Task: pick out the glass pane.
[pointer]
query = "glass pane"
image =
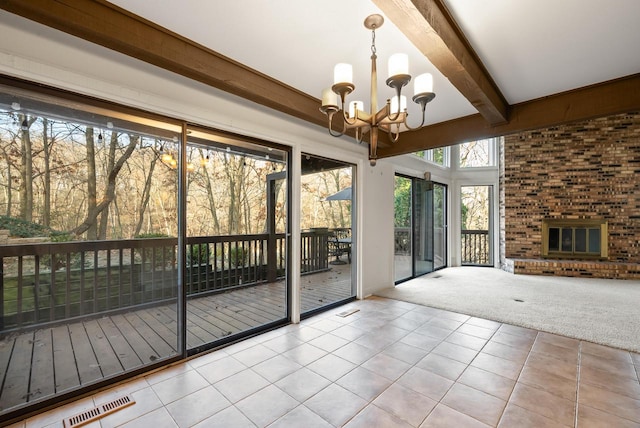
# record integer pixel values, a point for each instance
(236, 245)
(554, 239)
(99, 209)
(326, 203)
(439, 225)
(594, 241)
(476, 153)
(580, 237)
(567, 239)
(422, 227)
(475, 215)
(402, 228)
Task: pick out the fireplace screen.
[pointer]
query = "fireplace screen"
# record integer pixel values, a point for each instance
(574, 238)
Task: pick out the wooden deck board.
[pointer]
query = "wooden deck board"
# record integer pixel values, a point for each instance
(16, 384)
(161, 325)
(135, 340)
(86, 362)
(107, 358)
(242, 311)
(42, 383)
(157, 343)
(216, 325)
(64, 362)
(254, 304)
(6, 349)
(125, 352)
(234, 318)
(64, 357)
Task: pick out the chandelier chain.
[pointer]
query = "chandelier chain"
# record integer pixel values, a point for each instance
(373, 41)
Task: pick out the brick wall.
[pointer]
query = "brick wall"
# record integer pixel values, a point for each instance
(582, 170)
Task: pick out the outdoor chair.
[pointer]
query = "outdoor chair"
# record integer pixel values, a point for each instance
(339, 245)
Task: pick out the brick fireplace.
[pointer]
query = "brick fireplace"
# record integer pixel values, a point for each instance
(568, 181)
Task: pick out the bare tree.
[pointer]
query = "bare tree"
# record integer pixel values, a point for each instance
(111, 159)
(109, 194)
(26, 168)
(234, 166)
(92, 192)
(46, 148)
(146, 193)
(210, 196)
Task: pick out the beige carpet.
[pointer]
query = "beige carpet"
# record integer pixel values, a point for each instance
(603, 311)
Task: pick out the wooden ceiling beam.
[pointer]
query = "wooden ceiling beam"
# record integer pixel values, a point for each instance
(105, 24)
(430, 27)
(603, 99)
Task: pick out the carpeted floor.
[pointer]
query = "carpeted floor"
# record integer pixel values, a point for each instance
(604, 311)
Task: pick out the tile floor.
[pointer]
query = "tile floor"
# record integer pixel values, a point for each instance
(391, 364)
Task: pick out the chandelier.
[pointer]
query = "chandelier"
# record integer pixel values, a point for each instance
(390, 118)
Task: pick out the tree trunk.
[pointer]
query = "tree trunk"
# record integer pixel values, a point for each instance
(231, 169)
(146, 194)
(9, 182)
(26, 168)
(211, 200)
(110, 190)
(104, 216)
(46, 215)
(92, 193)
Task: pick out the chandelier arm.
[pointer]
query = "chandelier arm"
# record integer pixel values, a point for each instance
(394, 116)
(423, 99)
(345, 117)
(359, 135)
(411, 128)
(394, 136)
(344, 126)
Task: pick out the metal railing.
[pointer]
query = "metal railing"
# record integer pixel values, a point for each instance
(54, 282)
(475, 247)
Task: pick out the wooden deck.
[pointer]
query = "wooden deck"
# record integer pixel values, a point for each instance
(43, 362)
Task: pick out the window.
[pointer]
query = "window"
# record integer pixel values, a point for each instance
(475, 154)
(439, 156)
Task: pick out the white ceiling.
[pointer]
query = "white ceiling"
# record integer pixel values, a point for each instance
(531, 48)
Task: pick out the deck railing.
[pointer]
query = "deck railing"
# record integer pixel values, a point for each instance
(53, 282)
(475, 247)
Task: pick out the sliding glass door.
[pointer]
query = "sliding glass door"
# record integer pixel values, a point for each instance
(89, 280)
(420, 227)
(236, 245)
(439, 226)
(328, 233)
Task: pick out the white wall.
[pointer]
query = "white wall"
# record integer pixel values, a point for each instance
(40, 54)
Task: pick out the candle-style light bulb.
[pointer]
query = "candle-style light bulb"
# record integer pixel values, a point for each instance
(398, 64)
(329, 98)
(343, 73)
(423, 83)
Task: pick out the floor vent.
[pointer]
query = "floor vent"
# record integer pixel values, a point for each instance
(98, 412)
(348, 312)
